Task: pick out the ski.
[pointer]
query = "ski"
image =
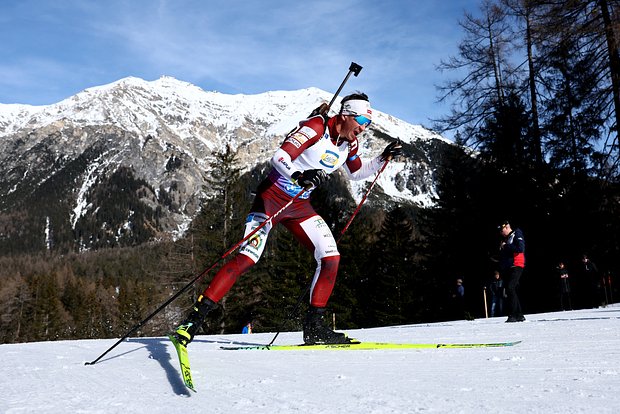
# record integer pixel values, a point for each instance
(186, 372)
(367, 346)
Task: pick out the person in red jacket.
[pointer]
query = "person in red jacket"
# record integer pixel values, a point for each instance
(318, 147)
(512, 262)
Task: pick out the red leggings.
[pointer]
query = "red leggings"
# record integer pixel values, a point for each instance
(305, 225)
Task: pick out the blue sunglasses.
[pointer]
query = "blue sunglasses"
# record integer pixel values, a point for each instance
(362, 120)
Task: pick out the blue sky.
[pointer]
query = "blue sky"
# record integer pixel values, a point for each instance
(50, 50)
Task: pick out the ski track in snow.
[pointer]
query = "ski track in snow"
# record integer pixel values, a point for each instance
(568, 362)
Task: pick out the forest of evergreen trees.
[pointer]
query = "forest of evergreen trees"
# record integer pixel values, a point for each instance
(536, 95)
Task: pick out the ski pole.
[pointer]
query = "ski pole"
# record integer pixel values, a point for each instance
(359, 206)
(486, 308)
(354, 69)
(200, 276)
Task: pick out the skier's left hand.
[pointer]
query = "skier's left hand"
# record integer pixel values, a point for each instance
(393, 149)
(310, 178)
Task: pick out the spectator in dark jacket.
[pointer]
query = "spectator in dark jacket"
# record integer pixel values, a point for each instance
(565, 303)
(512, 262)
(497, 295)
(592, 282)
(458, 299)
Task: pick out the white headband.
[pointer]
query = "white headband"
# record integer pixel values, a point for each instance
(357, 107)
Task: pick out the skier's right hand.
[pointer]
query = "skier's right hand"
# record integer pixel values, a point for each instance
(393, 150)
(310, 178)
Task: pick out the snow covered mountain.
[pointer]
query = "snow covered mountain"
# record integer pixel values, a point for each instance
(68, 164)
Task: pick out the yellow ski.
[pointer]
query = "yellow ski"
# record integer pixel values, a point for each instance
(186, 372)
(368, 346)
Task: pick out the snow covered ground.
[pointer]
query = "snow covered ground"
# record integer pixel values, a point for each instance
(568, 362)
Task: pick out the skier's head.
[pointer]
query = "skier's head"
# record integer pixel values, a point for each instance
(354, 116)
(505, 228)
(356, 104)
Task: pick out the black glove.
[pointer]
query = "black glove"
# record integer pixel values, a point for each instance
(309, 178)
(394, 149)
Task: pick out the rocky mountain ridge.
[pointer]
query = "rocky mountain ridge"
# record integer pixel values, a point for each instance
(153, 142)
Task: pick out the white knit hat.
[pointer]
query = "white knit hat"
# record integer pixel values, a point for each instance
(357, 107)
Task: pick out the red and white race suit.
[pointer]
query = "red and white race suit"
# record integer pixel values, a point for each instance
(310, 146)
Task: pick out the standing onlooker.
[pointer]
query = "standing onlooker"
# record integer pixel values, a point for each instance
(247, 329)
(592, 282)
(498, 293)
(458, 299)
(512, 262)
(564, 287)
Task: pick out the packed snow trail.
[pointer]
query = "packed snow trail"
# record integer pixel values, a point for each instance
(567, 362)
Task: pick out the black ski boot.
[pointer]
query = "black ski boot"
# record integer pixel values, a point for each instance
(317, 332)
(188, 328)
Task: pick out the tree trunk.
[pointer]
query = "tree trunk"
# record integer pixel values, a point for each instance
(537, 144)
(495, 62)
(614, 62)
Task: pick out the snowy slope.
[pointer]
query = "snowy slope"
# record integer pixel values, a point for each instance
(568, 362)
(144, 107)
